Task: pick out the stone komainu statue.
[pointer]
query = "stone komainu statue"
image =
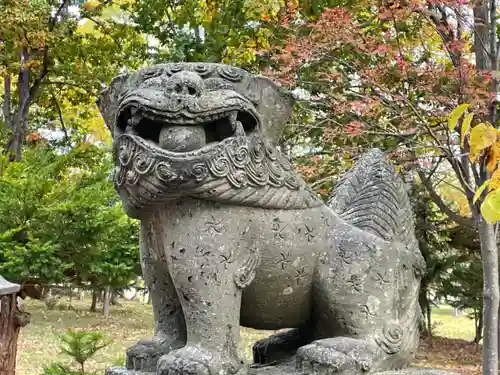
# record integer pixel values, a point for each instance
(231, 235)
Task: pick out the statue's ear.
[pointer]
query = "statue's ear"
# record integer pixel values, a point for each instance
(275, 107)
(107, 102)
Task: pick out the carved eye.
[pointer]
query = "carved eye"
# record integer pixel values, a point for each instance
(231, 74)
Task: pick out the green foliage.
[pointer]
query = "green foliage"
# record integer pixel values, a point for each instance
(80, 346)
(55, 57)
(61, 222)
(464, 283)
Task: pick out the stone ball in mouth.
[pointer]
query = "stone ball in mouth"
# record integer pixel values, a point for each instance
(185, 134)
(179, 138)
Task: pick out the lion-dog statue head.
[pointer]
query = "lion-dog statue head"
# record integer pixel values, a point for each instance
(200, 130)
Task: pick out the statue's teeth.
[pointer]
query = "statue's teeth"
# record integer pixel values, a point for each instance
(239, 131)
(237, 126)
(232, 118)
(135, 119)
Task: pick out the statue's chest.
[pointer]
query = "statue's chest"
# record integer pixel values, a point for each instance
(200, 226)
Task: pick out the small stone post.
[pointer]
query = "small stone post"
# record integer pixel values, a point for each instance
(11, 320)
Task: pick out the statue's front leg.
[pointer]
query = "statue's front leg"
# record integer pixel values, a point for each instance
(170, 329)
(209, 282)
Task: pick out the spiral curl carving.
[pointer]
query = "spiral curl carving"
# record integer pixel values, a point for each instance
(142, 164)
(258, 152)
(131, 177)
(199, 171)
(258, 174)
(276, 175)
(238, 179)
(270, 151)
(203, 70)
(119, 176)
(239, 155)
(164, 172)
(219, 166)
(124, 155)
(230, 73)
(173, 68)
(390, 338)
(292, 182)
(285, 164)
(242, 162)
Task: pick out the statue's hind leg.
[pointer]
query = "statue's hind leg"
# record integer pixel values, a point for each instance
(170, 330)
(366, 292)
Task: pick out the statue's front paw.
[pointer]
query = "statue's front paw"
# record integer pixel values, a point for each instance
(339, 355)
(195, 360)
(144, 355)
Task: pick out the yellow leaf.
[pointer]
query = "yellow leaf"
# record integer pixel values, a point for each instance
(493, 157)
(465, 127)
(482, 136)
(456, 114)
(495, 180)
(490, 209)
(478, 192)
(90, 5)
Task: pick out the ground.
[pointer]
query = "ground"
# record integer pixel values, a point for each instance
(39, 345)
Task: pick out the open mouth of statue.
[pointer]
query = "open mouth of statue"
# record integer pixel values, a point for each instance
(183, 132)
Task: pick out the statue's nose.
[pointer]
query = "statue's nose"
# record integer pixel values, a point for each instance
(184, 83)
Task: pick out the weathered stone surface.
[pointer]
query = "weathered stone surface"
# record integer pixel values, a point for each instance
(289, 369)
(231, 235)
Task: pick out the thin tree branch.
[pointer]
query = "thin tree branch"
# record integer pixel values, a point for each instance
(105, 29)
(53, 19)
(61, 119)
(321, 181)
(460, 220)
(64, 83)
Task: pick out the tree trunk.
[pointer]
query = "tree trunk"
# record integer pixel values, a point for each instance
(11, 320)
(70, 298)
(489, 256)
(19, 122)
(106, 302)
(114, 298)
(479, 326)
(425, 306)
(93, 306)
(7, 97)
(429, 318)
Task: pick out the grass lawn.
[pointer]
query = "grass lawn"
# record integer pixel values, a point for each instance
(39, 345)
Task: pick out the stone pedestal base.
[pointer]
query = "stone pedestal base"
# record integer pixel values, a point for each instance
(289, 369)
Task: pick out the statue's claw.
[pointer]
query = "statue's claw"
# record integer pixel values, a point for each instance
(194, 360)
(144, 355)
(340, 355)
